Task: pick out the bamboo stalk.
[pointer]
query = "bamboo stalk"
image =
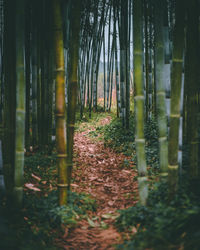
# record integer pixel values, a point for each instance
(20, 102)
(192, 85)
(176, 83)
(60, 104)
(73, 83)
(160, 89)
(139, 100)
(9, 95)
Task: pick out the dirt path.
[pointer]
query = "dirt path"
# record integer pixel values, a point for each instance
(100, 172)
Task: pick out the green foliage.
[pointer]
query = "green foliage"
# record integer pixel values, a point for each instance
(151, 135)
(90, 123)
(40, 164)
(39, 159)
(119, 138)
(122, 140)
(99, 114)
(163, 224)
(45, 209)
(41, 219)
(44, 219)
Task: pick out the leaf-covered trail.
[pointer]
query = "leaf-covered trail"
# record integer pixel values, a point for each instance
(100, 172)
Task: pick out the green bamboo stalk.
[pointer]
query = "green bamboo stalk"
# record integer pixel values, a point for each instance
(20, 102)
(108, 60)
(28, 74)
(160, 88)
(104, 72)
(139, 100)
(9, 95)
(60, 104)
(34, 61)
(176, 83)
(127, 72)
(116, 64)
(192, 85)
(146, 13)
(73, 83)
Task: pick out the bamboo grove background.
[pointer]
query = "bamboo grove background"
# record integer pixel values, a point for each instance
(51, 55)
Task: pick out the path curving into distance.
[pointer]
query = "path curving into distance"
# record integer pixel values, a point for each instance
(100, 172)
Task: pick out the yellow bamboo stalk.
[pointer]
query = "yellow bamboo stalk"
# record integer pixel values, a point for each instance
(60, 104)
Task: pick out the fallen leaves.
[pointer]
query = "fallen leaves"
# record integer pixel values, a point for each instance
(32, 187)
(36, 177)
(99, 171)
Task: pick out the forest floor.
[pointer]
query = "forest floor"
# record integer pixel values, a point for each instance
(100, 172)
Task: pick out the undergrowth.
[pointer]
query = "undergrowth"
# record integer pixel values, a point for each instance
(123, 140)
(41, 220)
(163, 224)
(44, 219)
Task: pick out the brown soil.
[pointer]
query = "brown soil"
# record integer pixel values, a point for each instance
(100, 171)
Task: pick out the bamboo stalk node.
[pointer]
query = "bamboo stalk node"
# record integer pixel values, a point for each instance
(22, 111)
(142, 179)
(177, 60)
(59, 114)
(18, 189)
(71, 125)
(175, 115)
(164, 174)
(173, 167)
(163, 138)
(60, 70)
(194, 142)
(140, 140)
(139, 97)
(139, 53)
(161, 93)
(61, 155)
(60, 185)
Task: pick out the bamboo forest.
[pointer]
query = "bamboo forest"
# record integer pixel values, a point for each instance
(100, 124)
